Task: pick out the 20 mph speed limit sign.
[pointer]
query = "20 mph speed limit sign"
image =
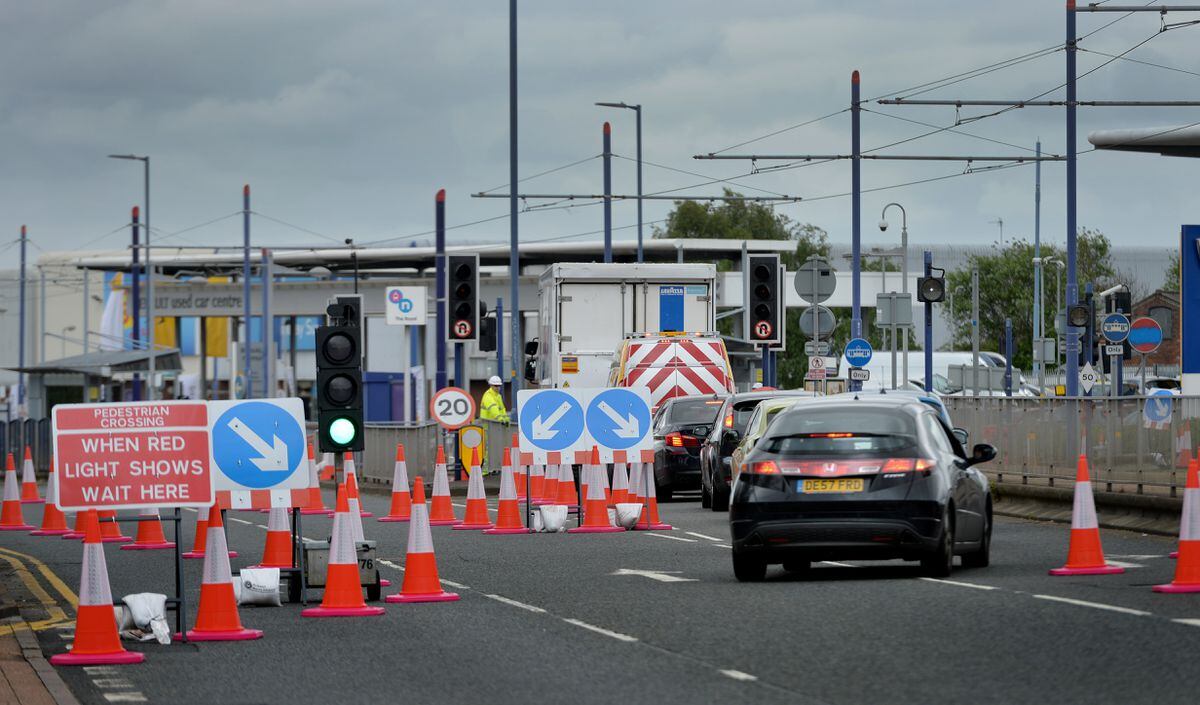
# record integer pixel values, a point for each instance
(452, 407)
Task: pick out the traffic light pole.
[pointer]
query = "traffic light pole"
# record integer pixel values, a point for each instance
(440, 282)
(928, 328)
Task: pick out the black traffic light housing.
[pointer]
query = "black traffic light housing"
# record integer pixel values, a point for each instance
(462, 298)
(339, 389)
(763, 299)
(487, 333)
(931, 290)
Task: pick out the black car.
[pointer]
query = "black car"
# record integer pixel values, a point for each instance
(724, 437)
(860, 478)
(680, 425)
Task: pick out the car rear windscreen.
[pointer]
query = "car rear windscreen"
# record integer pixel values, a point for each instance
(844, 431)
(694, 411)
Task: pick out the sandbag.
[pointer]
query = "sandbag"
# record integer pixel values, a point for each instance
(148, 612)
(554, 517)
(258, 586)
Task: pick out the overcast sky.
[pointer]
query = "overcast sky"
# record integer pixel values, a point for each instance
(346, 117)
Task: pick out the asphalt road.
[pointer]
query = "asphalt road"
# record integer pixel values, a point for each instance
(559, 618)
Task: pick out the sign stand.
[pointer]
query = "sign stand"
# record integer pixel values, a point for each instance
(179, 602)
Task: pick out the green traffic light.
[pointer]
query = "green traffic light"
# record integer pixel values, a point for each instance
(342, 431)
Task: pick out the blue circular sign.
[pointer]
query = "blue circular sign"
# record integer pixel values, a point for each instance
(551, 420)
(858, 352)
(618, 419)
(1115, 327)
(1159, 406)
(257, 444)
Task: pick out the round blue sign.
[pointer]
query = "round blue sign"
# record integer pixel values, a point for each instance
(858, 352)
(618, 419)
(1115, 327)
(257, 444)
(551, 420)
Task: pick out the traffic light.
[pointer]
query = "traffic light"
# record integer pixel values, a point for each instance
(764, 301)
(462, 297)
(1120, 302)
(931, 290)
(339, 377)
(487, 334)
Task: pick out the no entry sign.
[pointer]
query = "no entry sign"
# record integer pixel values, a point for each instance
(132, 455)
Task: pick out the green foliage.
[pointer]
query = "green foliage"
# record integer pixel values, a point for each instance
(1171, 280)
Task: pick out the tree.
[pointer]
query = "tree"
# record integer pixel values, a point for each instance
(1171, 281)
(1006, 291)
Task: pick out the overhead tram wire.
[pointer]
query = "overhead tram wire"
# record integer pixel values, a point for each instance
(548, 171)
(702, 176)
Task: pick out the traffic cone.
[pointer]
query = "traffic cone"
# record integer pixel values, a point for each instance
(201, 541)
(635, 483)
(110, 530)
(217, 618)
(316, 503)
(1183, 446)
(441, 512)
(401, 508)
(343, 586)
(326, 467)
(149, 534)
(549, 476)
(76, 525)
(96, 640)
(1187, 569)
(421, 583)
(53, 521)
(537, 483)
(650, 520)
(513, 453)
(595, 506)
(1085, 555)
(350, 489)
(508, 512)
(620, 484)
(477, 510)
(29, 490)
(566, 487)
(277, 551)
(348, 470)
(12, 516)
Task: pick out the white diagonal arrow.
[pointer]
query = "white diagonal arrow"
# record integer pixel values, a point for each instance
(626, 427)
(662, 576)
(1161, 407)
(274, 457)
(543, 427)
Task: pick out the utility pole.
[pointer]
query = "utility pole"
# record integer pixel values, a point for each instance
(514, 254)
(975, 332)
(135, 273)
(439, 228)
(607, 151)
(248, 385)
(1039, 360)
(21, 333)
(637, 109)
(928, 328)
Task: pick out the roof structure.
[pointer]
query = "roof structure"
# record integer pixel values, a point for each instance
(105, 363)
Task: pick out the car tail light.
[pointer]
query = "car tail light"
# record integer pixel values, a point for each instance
(678, 440)
(892, 465)
(729, 420)
(766, 467)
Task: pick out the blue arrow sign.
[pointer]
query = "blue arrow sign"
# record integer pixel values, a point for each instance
(552, 420)
(1115, 327)
(258, 444)
(858, 352)
(1159, 406)
(618, 418)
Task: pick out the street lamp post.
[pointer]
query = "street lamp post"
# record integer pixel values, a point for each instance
(903, 267)
(637, 109)
(145, 160)
(1059, 266)
(62, 339)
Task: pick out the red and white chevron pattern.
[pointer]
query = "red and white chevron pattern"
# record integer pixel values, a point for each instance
(675, 367)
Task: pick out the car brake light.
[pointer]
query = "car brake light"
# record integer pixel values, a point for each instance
(924, 465)
(830, 435)
(766, 467)
(676, 439)
(729, 420)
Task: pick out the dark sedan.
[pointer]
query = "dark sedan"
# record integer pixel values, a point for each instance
(716, 449)
(680, 425)
(870, 478)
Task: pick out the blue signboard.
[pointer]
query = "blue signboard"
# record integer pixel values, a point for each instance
(1189, 306)
(618, 418)
(552, 420)
(1115, 327)
(670, 307)
(1158, 407)
(259, 444)
(858, 352)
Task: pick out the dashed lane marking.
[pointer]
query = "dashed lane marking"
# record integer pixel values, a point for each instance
(1094, 605)
(600, 630)
(958, 583)
(737, 675)
(126, 697)
(702, 536)
(1123, 564)
(241, 521)
(390, 564)
(722, 545)
(673, 538)
(453, 584)
(514, 603)
(1189, 622)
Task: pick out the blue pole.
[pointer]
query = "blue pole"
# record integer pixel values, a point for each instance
(607, 193)
(266, 324)
(638, 109)
(514, 254)
(1072, 280)
(1039, 315)
(135, 273)
(21, 334)
(414, 359)
(439, 216)
(249, 387)
(928, 328)
(766, 366)
(856, 214)
(459, 367)
(1008, 355)
(500, 339)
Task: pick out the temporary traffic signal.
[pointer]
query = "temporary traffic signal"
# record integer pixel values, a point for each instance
(487, 333)
(931, 290)
(462, 297)
(763, 303)
(339, 377)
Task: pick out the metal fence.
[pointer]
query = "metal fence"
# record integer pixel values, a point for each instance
(420, 449)
(34, 433)
(1038, 440)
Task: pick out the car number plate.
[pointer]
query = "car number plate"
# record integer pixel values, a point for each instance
(833, 484)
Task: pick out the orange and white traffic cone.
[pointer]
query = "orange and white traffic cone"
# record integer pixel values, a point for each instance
(421, 583)
(348, 470)
(53, 521)
(96, 640)
(1183, 446)
(620, 484)
(441, 512)
(316, 503)
(476, 517)
(217, 618)
(401, 508)
(1085, 555)
(29, 490)
(566, 487)
(350, 489)
(326, 469)
(537, 482)
(549, 477)
(277, 551)
(508, 512)
(514, 458)
(595, 506)
(110, 530)
(1187, 569)
(635, 483)
(201, 541)
(76, 527)
(650, 519)
(343, 585)
(12, 516)
(149, 534)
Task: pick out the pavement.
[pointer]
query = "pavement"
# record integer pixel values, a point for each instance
(657, 617)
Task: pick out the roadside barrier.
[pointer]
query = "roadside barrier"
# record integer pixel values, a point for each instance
(441, 512)
(1085, 556)
(29, 488)
(277, 550)
(476, 517)
(150, 535)
(1187, 568)
(12, 515)
(217, 618)
(401, 509)
(53, 521)
(421, 583)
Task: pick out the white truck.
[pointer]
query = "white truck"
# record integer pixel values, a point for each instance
(587, 309)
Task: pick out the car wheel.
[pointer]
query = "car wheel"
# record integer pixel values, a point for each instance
(749, 569)
(705, 496)
(982, 557)
(797, 566)
(720, 500)
(940, 562)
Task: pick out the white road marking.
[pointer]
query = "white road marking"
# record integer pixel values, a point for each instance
(673, 538)
(737, 675)
(264, 527)
(701, 536)
(1095, 605)
(1137, 556)
(1123, 564)
(600, 630)
(241, 521)
(453, 584)
(112, 682)
(722, 545)
(662, 576)
(99, 670)
(839, 565)
(390, 564)
(514, 603)
(126, 697)
(961, 584)
(456, 504)
(1189, 622)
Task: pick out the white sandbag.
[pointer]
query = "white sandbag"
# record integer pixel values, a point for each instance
(123, 617)
(628, 514)
(148, 610)
(554, 517)
(538, 526)
(258, 586)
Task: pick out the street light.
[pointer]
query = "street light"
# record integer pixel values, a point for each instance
(1059, 266)
(145, 160)
(637, 109)
(62, 339)
(883, 225)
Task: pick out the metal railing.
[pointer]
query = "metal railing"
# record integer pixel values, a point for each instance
(1038, 440)
(420, 449)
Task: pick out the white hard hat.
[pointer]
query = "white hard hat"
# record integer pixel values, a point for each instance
(494, 381)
